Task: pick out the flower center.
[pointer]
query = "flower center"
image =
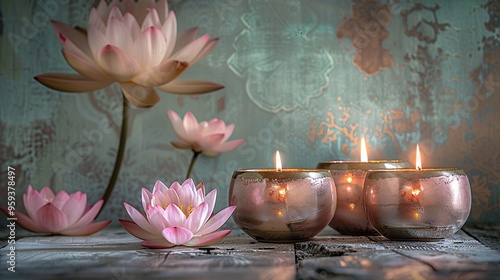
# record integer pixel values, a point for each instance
(187, 211)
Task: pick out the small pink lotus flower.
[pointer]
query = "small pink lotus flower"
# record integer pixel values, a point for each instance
(206, 137)
(58, 214)
(179, 215)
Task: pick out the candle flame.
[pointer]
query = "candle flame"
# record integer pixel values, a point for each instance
(418, 161)
(415, 192)
(278, 164)
(364, 153)
(282, 193)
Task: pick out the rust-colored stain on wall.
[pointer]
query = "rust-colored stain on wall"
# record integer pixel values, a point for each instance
(367, 29)
(424, 19)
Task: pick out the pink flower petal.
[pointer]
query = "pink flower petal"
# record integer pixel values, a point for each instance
(47, 194)
(207, 239)
(228, 146)
(33, 201)
(201, 186)
(214, 127)
(146, 196)
(216, 221)
(186, 195)
(161, 74)
(70, 82)
(210, 199)
(182, 146)
(132, 26)
(85, 67)
(169, 28)
(159, 243)
(140, 96)
(228, 131)
(51, 219)
(191, 126)
(156, 219)
(75, 207)
(152, 20)
(190, 86)
(66, 32)
(188, 183)
(138, 218)
(206, 50)
(177, 235)
(162, 8)
(137, 231)
(118, 35)
(97, 40)
(117, 63)
(88, 216)
(190, 51)
(150, 47)
(177, 124)
(198, 217)
(174, 216)
(114, 14)
(96, 20)
(85, 229)
(141, 9)
(159, 187)
(173, 197)
(23, 220)
(210, 142)
(176, 187)
(60, 199)
(104, 9)
(184, 38)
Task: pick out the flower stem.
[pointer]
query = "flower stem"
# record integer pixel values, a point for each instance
(193, 160)
(119, 155)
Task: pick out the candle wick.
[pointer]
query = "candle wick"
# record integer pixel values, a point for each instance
(419, 168)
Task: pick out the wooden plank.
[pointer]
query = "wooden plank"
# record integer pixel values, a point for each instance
(488, 235)
(116, 254)
(349, 257)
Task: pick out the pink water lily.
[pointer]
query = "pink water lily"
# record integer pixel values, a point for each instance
(177, 215)
(209, 138)
(61, 213)
(134, 43)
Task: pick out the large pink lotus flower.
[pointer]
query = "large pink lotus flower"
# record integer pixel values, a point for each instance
(206, 137)
(179, 215)
(58, 214)
(134, 43)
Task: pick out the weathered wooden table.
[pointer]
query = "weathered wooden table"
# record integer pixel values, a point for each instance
(472, 253)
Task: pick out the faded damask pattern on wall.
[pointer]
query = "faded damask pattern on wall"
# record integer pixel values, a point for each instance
(308, 78)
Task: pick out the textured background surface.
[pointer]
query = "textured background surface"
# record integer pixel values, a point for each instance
(306, 77)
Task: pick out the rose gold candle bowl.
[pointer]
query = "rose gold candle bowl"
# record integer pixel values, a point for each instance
(349, 177)
(282, 206)
(409, 204)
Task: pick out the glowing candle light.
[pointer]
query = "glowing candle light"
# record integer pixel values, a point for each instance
(364, 153)
(418, 160)
(278, 164)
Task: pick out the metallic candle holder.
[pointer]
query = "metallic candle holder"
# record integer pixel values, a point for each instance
(409, 204)
(282, 206)
(349, 177)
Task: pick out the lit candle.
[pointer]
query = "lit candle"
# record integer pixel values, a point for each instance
(282, 204)
(418, 203)
(349, 176)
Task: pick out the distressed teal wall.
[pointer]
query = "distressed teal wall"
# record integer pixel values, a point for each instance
(308, 78)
